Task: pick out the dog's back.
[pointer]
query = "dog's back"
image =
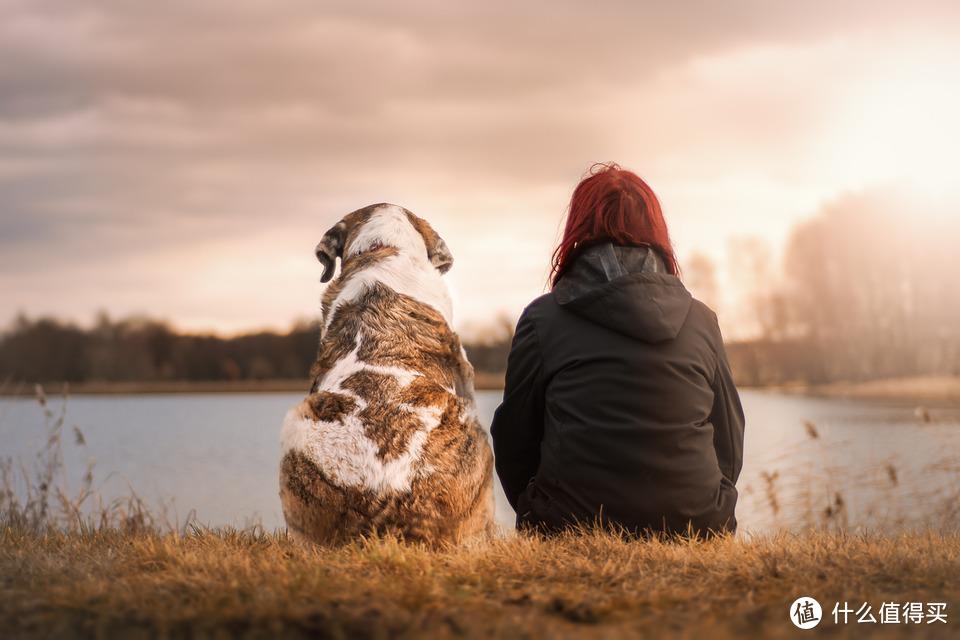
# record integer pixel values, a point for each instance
(388, 440)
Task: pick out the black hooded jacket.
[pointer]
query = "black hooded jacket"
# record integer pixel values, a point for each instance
(619, 403)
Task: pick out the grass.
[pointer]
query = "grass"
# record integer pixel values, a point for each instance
(112, 582)
(73, 566)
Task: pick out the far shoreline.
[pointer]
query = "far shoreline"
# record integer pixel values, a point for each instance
(483, 382)
(917, 390)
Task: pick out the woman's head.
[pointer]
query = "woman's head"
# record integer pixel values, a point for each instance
(612, 204)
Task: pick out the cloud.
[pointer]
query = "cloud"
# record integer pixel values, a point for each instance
(161, 143)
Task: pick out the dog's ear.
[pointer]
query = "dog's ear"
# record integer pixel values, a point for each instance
(437, 251)
(330, 248)
(440, 255)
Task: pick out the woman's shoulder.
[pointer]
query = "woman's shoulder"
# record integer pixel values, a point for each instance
(537, 314)
(540, 303)
(700, 310)
(541, 309)
(705, 318)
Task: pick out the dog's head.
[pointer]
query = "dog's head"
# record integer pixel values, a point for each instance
(381, 225)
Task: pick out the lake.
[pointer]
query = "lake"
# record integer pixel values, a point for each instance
(807, 461)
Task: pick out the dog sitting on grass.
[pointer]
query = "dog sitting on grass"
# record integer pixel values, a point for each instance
(388, 440)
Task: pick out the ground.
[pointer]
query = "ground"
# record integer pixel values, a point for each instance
(248, 584)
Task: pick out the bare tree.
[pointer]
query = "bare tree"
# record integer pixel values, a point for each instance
(700, 276)
(763, 305)
(872, 287)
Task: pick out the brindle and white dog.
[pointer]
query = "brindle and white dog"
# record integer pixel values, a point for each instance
(388, 441)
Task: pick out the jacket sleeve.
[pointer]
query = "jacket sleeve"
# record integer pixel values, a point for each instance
(728, 420)
(517, 427)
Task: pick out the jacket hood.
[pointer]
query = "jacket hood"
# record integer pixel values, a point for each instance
(626, 289)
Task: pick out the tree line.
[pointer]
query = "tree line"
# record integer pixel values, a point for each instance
(149, 350)
(865, 289)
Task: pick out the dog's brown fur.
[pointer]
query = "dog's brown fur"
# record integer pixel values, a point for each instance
(450, 494)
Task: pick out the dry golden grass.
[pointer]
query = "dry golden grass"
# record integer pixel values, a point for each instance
(109, 583)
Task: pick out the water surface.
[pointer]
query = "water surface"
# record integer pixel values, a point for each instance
(217, 454)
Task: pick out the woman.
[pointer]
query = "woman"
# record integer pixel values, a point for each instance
(619, 403)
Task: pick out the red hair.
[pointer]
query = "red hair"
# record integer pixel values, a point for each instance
(616, 205)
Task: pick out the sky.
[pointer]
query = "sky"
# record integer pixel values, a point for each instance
(182, 159)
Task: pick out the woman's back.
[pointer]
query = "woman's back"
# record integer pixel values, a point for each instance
(631, 388)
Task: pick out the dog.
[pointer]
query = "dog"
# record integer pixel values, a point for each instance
(388, 440)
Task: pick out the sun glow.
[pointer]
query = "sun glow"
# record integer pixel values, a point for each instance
(902, 130)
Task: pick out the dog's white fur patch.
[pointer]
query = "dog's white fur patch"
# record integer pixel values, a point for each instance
(409, 272)
(342, 449)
